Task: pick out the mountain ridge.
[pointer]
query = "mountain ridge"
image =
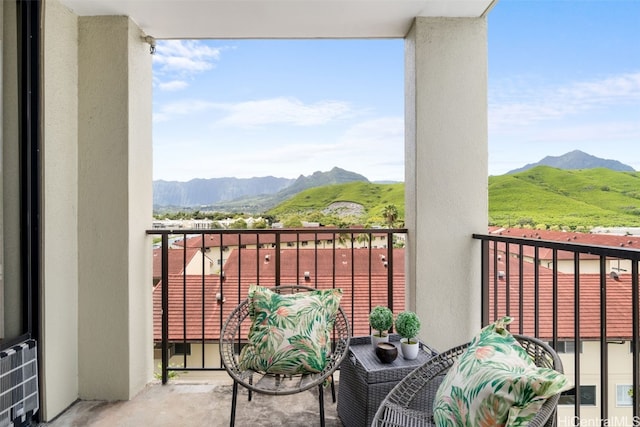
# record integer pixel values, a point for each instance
(260, 194)
(243, 194)
(576, 159)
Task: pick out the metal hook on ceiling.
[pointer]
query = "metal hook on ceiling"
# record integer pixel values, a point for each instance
(152, 44)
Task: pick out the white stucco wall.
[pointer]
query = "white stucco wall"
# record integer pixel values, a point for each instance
(59, 338)
(97, 200)
(446, 173)
(140, 210)
(114, 176)
(620, 373)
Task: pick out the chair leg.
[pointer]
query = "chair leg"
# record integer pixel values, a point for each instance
(333, 389)
(234, 399)
(321, 399)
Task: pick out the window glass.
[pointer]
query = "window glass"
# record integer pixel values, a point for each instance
(624, 395)
(182, 348)
(566, 346)
(587, 396)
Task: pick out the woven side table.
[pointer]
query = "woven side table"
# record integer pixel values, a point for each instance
(365, 381)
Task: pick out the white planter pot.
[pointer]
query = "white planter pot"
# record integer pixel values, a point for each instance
(409, 351)
(376, 339)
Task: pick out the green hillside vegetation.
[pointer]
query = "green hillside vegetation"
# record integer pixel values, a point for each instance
(556, 198)
(311, 204)
(541, 197)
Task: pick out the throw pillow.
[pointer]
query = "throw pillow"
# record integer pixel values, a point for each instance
(289, 333)
(495, 382)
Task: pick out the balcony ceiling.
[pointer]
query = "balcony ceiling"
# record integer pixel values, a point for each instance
(235, 19)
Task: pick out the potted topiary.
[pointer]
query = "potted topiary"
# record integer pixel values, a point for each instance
(408, 326)
(380, 320)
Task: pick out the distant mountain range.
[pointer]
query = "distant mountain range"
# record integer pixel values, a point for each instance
(576, 160)
(260, 194)
(242, 194)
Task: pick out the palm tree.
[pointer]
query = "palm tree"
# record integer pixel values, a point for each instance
(364, 238)
(390, 213)
(343, 238)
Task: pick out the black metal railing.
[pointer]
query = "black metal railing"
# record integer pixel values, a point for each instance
(569, 293)
(200, 276)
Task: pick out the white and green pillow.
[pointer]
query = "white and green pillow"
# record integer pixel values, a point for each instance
(495, 382)
(290, 333)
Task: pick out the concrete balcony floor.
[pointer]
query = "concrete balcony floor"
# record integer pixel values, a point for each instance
(201, 403)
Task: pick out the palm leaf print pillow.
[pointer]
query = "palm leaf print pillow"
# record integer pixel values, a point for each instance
(495, 383)
(289, 334)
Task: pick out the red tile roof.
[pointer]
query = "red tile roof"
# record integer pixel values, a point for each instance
(263, 261)
(176, 260)
(593, 239)
(369, 289)
(304, 235)
(618, 302)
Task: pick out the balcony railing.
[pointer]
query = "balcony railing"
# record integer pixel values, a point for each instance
(582, 299)
(201, 275)
(579, 297)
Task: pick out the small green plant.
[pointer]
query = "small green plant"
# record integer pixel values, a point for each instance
(172, 375)
(381, 320)
(408, 325)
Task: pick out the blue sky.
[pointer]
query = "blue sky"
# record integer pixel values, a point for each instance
(563, 75)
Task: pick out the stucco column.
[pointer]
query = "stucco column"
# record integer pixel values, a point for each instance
(114, 208)
(445, 174)
(59, 337)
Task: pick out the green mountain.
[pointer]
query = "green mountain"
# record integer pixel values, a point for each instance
(318, 179)
(574, 198)
(577, 159)
(541, 195)
(316, 203)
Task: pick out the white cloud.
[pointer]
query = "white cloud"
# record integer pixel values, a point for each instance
(185, 56)
(614, 90)
(538, 104)
(180, 108)
(176, 60)
(604, 131)
(172, 85)
(373, 148)
(382, 131)
(276, 111)
(282, 110)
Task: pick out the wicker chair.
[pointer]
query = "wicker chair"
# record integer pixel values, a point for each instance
(410, 402)
(234, 333)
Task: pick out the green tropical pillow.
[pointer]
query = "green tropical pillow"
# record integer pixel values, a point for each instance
(290, 333)
(495, 382)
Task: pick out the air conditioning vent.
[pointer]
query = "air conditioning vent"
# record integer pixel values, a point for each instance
(18, 384)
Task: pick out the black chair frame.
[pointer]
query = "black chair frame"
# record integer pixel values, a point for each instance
(410, 402)
(233, 336)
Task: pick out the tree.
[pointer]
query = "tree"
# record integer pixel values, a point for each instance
(293, 221)
(343, 238)
(390, 214)
(364, 238)
(238, 224)
(260, 224)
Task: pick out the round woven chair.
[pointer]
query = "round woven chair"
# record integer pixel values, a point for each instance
(410, 402)
(234, 335)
